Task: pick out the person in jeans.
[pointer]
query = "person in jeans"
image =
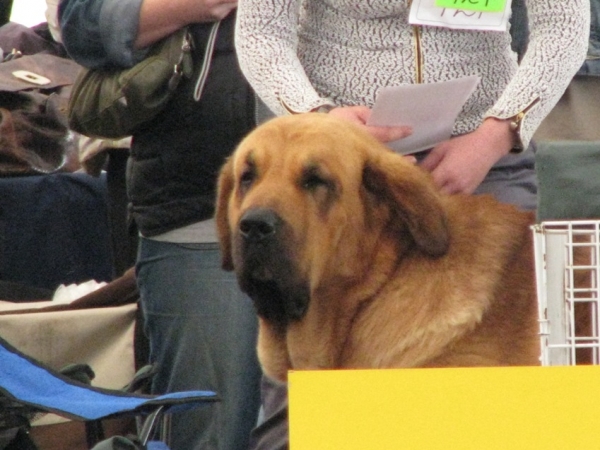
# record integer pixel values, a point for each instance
(201, 328)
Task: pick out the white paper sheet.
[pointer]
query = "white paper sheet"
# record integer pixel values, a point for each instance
(430, 109)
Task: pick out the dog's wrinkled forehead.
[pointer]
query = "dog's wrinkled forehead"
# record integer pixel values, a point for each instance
(311, 144)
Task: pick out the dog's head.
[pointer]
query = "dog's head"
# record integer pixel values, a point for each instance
(306, 203)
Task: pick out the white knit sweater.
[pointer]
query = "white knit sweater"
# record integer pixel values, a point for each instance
(310, 52)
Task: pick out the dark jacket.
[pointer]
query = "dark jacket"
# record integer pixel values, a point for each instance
(175, 158)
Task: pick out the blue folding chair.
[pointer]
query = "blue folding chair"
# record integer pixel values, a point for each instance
(29, 387)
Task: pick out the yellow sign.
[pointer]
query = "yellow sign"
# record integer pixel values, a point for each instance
(509, 408)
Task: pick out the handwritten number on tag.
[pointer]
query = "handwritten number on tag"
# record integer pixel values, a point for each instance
(473, 5)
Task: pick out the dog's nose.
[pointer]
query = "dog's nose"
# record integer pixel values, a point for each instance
(259, 224)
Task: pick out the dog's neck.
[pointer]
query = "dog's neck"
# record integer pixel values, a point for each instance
(303, 345)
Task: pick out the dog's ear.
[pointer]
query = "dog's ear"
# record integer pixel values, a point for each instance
(224, 189)
(412, 197)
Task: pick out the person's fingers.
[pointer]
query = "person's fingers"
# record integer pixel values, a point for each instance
(389, 134)
(446, 189)
(432, 160)
(360, 114)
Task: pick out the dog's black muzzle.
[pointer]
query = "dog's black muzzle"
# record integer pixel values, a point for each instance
(265, 266)
(259, 226)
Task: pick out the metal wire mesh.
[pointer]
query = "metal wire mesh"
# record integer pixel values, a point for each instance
(567, 260)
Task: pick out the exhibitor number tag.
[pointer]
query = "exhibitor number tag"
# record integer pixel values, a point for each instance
(488, 15)
(473, 5)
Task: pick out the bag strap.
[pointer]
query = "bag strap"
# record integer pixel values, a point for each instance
(179, 69)
(206, 61)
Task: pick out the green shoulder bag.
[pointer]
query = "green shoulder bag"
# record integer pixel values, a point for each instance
(112, 102)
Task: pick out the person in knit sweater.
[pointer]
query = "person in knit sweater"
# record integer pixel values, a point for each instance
(334, 56)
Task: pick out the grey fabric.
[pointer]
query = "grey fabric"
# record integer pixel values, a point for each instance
(575, 116)
(271, 433)
(568, 180)
(262, 111)
(513, 180)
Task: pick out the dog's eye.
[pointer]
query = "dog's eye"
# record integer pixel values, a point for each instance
(247, 177)
(312, 180)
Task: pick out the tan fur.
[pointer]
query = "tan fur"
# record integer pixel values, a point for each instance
(398, 274)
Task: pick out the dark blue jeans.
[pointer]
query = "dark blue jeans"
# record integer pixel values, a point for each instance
(202, 331)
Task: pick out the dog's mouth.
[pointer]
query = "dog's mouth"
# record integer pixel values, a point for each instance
(279, 297)
(261, 274)
(277, 305)
(271, 282)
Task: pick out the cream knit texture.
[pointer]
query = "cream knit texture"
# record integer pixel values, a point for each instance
(306, 53)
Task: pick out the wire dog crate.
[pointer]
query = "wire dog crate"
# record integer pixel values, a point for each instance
(567, 266)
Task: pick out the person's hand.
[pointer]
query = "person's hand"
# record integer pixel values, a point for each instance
(212, 10)
(159, 18)
(460, 164)
(360, 115)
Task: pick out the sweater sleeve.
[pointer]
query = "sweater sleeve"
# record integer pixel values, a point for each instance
(558, 41)
(268, 58)
(99, 33)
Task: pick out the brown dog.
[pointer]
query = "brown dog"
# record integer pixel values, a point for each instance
(355, 260)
